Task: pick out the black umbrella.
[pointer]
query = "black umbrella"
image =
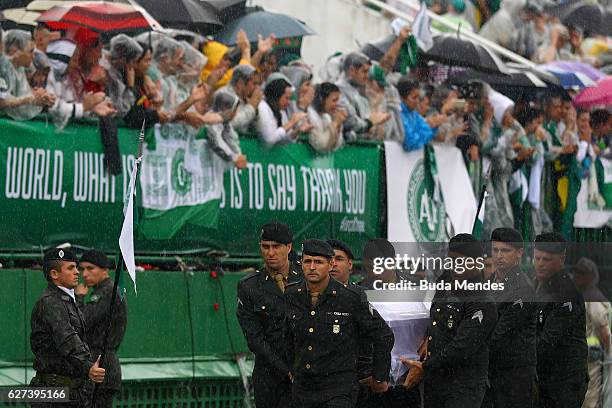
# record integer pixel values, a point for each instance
(228, 10)
(264, 23)
(9, 4)
(591, 17)
(186, 14)
(451, 50)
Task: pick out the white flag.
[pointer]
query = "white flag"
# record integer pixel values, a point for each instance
(420, 29)
(126, 239)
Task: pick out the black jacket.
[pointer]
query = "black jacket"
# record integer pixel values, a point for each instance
(58, 336)
(95, 312)
(324, 340)
(513, 342)
(261, 314)
(461, 323)
(561, 330)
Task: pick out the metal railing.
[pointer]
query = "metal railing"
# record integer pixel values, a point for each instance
(501, 51)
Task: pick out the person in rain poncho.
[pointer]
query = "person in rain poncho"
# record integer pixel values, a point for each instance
(501, 28)
(244, 85)
(455, 15)
(531, 118)
(356, 67)
(169, 57)
(586, 278)
(17, 99)
(301, 80)
(119, 64)
(326, 117)
(67, 106)
(498, 147)
(383, 97)
(222, 138)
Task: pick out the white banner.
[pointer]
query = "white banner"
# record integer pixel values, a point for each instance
(412, 214)
(586, 217)
(181, 171)
(456, 188)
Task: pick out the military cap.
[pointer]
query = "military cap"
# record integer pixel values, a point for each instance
(509, 236)
(337, 244)
(467, 245)
(276, 231)
(60, 254)
(97, 258)
(317, 247)
(551, 242)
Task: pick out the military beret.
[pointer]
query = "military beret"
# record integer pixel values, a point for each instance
(467, 245)
(97, 258)
(317, 247)
(509, 236)
(551, 242)
(276, 231)
(337, 244)
(60, 254)
(378, 248)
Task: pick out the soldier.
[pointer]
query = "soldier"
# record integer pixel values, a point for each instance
(561, 328)
(326, 322)
(512, 348)
(343, 261)
(61, 357)
(457, 350)
(261, 314)
(94, 266)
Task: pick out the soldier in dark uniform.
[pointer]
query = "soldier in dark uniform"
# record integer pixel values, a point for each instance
(327, 321)
(512, 348)
(457, 358)
(342, 267)
(261, 314)
(94, 266)
(561, 328)
(61, 357)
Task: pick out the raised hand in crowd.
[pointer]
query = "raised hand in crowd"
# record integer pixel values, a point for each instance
(199, 93)
(295, 119)
(97, 74)
(264, 45)
(339, 116)
(243, 44)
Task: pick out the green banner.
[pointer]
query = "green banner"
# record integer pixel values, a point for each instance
(55, 190)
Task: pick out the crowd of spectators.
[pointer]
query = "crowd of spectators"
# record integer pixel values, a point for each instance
(201, 85)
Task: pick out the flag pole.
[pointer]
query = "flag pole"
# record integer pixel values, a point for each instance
(483, 194)
(119, 268)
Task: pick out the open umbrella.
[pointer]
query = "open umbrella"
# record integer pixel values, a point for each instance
(576, 66)
(228, 10)
(600, 95)
(27, 16)
(264, 23)
(587, 15)
(568, 79)
(451, 50)
(100, 17)
(192, 15)
(9, 4)
(517, 85)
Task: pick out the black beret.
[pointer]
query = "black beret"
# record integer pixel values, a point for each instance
(467, 245)
(551, 242)
(60, 254)
(317, 247)
(97, 258)
(378, 248)
(277, 232)
(337, 244)
(509, 236)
